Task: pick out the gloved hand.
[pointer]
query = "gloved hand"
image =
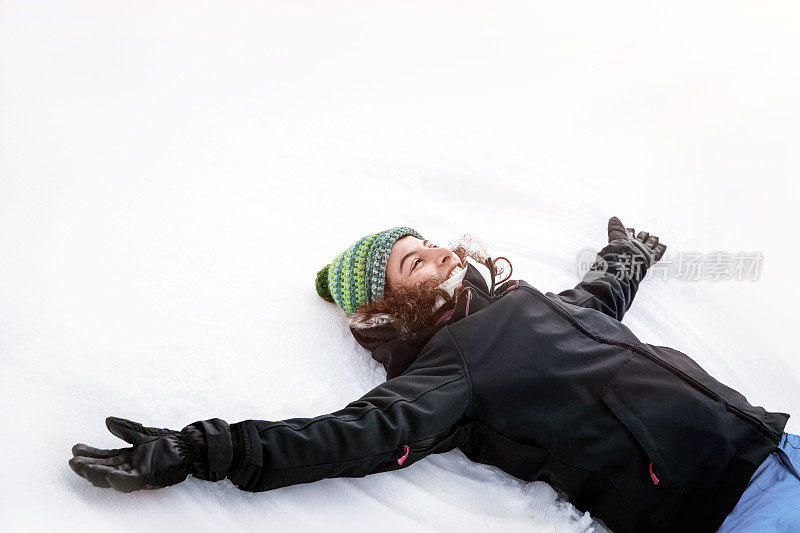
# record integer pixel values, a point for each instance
(158, 458)
(647, 243)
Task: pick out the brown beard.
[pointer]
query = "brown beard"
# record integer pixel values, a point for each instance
(410, 309)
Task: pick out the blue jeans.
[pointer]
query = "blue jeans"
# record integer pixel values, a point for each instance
(771, 501)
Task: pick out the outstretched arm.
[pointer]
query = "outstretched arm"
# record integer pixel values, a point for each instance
(612, 281)
(392, 426)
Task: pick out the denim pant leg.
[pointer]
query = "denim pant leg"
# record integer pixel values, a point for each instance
(771, 501)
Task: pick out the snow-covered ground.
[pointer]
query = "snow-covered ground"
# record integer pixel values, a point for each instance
(173, 174)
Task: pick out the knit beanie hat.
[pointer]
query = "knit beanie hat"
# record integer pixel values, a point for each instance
(358, 274)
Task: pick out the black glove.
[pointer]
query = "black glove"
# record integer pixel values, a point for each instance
(158, 458)
(647, 243)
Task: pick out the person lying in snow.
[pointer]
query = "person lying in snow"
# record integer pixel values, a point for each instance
(544, 386)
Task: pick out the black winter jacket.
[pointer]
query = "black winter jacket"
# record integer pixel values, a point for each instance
(549, 387)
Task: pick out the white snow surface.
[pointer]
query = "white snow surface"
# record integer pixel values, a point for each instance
(173, 175)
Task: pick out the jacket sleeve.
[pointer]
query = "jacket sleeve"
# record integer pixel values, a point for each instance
(613, 279)
(390, 427)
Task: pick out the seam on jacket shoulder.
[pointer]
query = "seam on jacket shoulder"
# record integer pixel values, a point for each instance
(466, 368)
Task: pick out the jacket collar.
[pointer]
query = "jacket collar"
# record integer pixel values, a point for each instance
(396, 354)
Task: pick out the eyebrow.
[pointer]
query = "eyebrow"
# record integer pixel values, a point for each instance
(425, 242)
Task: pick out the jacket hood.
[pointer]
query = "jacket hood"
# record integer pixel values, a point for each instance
(397, 353)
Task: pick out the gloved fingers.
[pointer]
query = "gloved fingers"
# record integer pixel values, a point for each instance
(648, 244)
(616, 230)
(126, 481)
(108, 476)
(95, 476)
(128, 429)
(76, 465)
(158, 432)
(90, 451)
(133, 432)
(78, 462)
(660, 249)
(646, 252)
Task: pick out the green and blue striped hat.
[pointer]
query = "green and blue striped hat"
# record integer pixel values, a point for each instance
(358, 274)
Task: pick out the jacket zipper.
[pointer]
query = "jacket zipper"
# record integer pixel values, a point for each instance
(764, 429)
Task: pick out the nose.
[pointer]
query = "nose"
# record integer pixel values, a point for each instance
(443, 257)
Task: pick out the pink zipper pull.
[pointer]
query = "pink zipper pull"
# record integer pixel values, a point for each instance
(652, 475)
(512, 287)
(400, 461)
(445, 316)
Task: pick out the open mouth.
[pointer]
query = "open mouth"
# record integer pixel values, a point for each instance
(452, 271)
